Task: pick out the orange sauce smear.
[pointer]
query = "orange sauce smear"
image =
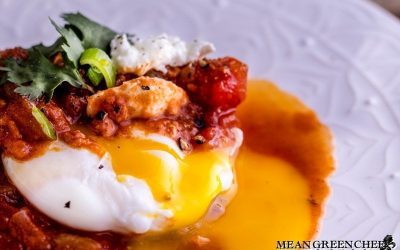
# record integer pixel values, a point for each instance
(281, 173)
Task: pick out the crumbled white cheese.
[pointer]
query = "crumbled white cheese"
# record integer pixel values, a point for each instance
(135, 55)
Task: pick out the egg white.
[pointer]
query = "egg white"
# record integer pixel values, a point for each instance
(97, 200)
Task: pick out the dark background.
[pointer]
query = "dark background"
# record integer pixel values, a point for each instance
(391, 5)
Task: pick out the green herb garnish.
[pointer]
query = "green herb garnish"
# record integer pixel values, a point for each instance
(90, 33)
(44, 123)
(100, 62)
(72, 47)
(38, 76)
(94, 76)
(93, 34)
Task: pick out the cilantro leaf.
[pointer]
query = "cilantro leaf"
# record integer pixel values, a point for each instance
(37, 76)
(51, 50)
(73, 47)
(3, 74)
(93, 34)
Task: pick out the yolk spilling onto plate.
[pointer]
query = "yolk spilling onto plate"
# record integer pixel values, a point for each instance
(271, 204)
(186, 186)
(281, 174)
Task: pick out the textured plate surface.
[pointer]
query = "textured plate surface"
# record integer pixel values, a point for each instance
(342, 58)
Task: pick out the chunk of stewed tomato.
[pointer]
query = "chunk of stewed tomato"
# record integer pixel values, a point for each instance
(217, 84)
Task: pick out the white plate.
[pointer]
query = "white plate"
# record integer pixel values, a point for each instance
(342, 58)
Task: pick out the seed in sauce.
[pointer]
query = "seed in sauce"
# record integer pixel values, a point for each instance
(199, 139)
(101, 115)
(184, 145)
(203, 63)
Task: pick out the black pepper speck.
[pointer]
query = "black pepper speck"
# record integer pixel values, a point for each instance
(144, 87)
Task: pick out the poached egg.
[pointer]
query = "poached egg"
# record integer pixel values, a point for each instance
(141, 184)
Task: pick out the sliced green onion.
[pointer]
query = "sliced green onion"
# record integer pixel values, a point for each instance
(101, 62)
(94, 75)
(4, 69)
(46, 125)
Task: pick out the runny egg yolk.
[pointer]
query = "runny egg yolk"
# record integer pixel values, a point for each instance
(281, 174)
(186, 185)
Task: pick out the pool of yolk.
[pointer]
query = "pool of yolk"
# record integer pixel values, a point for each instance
(281, 171)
